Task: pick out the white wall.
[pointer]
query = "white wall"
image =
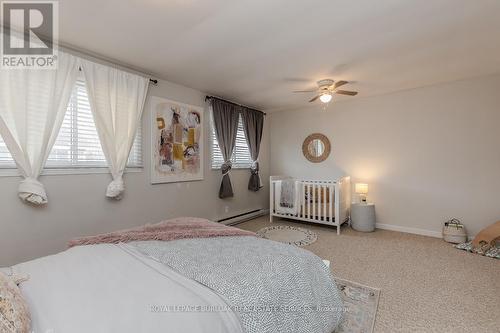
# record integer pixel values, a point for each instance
(428, 154)
(77, 204)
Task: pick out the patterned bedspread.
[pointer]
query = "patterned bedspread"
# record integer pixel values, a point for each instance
(273, 287)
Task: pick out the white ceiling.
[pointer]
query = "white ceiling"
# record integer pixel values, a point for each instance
(256, 52)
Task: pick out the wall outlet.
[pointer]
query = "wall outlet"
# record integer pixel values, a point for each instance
(226, 209)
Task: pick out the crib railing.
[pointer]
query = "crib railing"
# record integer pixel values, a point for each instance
(320, 201)
(316, 200)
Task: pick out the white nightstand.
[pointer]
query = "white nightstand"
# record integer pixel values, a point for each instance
(363, 217)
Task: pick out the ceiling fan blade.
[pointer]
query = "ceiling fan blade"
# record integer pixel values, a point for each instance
(314, 98)
(305, 91)
(339, 83)
(345, 92)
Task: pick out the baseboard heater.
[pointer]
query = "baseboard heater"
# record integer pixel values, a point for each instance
(232, 220)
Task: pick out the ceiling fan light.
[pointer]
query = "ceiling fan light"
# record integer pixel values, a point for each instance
(325, 98)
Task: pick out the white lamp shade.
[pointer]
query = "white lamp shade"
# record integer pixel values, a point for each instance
(325, 98)
(361, 188)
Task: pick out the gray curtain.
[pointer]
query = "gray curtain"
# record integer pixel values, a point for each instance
(253, 124)
(226, 117)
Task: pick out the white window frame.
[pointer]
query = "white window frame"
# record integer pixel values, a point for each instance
(241, 166)
(12, 171)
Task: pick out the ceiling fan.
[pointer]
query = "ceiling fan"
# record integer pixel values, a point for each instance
(326, 89)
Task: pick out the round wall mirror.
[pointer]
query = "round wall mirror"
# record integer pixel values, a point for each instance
(316, 148)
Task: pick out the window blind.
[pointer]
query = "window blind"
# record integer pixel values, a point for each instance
(241, 154)
(5, 157)
(77, 144)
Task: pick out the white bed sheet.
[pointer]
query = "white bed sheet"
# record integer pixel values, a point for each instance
(112, 288)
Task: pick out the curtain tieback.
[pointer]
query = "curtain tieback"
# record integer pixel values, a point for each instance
(31, 190)
(116, 188)
(226, 167)
(254, 168)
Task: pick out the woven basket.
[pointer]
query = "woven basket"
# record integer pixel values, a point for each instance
(454, 234)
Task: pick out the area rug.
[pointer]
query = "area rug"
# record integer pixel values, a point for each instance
(493, 252)
(289, 235)
(361, 303)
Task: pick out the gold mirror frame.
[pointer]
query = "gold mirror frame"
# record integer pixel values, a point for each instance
(308, 155)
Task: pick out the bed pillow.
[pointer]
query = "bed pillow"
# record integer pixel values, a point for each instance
(14, 312)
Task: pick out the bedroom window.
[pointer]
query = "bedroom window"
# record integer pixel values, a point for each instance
(241, 155)
(77, 144)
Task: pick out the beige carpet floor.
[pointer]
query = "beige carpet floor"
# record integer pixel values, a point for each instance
(426, 285)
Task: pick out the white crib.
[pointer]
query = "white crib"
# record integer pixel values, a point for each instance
(319, 201)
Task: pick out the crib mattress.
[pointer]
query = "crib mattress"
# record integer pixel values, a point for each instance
(316, 208)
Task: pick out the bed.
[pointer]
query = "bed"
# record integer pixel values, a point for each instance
(198, 283)
(319, 201)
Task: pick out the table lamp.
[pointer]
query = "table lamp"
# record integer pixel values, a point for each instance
(362, 190)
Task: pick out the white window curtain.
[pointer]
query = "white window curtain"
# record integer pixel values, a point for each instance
(32, 107)
(117, 101)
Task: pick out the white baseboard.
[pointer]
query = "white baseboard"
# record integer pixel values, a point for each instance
(409, 230)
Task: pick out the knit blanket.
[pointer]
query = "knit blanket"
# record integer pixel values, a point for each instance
(287, 195)
(272, 287)
(177, 228)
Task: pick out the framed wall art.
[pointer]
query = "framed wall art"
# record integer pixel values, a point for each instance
(176, 141)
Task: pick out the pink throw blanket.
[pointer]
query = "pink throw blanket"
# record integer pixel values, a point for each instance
(178, 228)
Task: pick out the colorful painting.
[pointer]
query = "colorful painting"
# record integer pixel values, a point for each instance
(177, 141)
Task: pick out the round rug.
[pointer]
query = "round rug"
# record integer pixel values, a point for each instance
(289, 235)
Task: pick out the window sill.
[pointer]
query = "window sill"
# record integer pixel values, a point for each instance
(12, 172)
(233, 168)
